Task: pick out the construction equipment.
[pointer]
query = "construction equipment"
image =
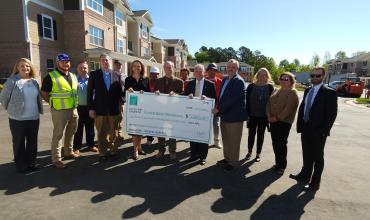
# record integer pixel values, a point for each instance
(352, 87)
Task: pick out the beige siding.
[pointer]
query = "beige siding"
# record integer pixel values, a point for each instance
(106, 27)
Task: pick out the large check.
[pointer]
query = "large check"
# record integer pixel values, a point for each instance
(175, 117)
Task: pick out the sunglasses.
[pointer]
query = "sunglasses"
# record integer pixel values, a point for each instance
(316, 75)
(284, 79)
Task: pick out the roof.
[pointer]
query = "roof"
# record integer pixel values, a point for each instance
(240, 64)
(140, 13)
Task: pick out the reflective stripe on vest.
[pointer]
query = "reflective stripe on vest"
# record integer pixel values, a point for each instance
(63, 96)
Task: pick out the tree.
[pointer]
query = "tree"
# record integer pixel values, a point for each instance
(283, 63)
(202, 57)
(230, 53)
(340, 55)
(315, 61)
(296, 62)
(326, 57)
(304, 68)
(189, 57)
(203, 48)
(245, 55)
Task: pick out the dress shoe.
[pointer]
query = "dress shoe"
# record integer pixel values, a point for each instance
(279, 171)
(222, 162)
(34, 168)
(159, 154)
(77, 152)
(141, 152)
(71, 156)
(311, 187)
(229, 167)
(248, 156)
(93, 149)
(258, 158)
(59, 164)
(299, 177)
(202, 162)
(192, 159)
(135, 157)
(149, 143)
(103, 159)
(114, 156)
(172, 156)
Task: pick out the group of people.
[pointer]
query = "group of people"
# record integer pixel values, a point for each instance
(80, 101)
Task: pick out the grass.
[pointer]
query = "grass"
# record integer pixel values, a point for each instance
(363, 101)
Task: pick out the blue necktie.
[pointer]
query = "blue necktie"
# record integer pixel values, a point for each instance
(308, 105)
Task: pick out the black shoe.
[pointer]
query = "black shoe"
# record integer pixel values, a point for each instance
(103, 159)
(221, 162)
(279, 171)
(258, 158)
(229, 167)
(202, 162)
(34, 168)
(135, 157)
(299, 178)
(192, 159)
(142, 152)
(248, 157)
(311, 187)
(114, 156)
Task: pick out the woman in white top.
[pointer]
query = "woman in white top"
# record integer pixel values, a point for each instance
(21, 98)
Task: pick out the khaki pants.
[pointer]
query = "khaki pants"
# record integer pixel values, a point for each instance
(231, 136)
(64, 121)
(106, 126)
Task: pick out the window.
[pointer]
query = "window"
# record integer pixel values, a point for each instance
(144, 31)
(47, 27)
(95, 5)
(344, 66)
(119, 17)
(364, 63)
(50, 65)
(145, 51)
(171, 51)
(243, 69)
(121, 45)
(222, 68)
(96, 36)
(94, 65)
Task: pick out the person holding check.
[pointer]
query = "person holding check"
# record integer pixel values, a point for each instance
(199, 87)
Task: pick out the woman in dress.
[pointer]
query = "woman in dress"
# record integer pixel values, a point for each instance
(137, 82)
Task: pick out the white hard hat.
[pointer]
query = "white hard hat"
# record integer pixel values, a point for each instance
(154, 69)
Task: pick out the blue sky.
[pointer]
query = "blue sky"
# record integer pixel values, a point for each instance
(278, 28)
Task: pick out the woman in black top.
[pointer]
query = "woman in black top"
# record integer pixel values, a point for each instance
(137, 82)
(257, 95)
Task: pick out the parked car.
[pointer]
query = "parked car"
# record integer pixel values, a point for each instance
(334, 84)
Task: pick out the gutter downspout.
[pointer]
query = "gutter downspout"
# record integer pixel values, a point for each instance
(26, 28)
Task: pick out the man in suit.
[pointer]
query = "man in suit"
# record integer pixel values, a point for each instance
(231, 109)
(316, 116)
(199, 87)
(104, 95)
(169, 84)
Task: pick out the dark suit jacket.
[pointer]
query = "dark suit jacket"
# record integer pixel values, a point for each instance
(208, 88)
(101, 100)
(176, 86)
(322, 113)
(231, 105)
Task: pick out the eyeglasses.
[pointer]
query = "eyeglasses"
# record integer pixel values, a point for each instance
(316, 75)
(284, 79)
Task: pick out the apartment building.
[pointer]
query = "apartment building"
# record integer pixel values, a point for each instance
(244, 68)
(84, 29)
(359, 64)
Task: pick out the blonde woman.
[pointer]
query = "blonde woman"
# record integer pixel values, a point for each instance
(280, 110)
(22, 100)
(257, 95)
(137, 82)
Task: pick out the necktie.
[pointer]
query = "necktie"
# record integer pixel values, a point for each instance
(197, 89)
(308, 105)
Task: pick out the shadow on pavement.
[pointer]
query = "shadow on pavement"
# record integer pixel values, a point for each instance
(288, 205)
(162, 183)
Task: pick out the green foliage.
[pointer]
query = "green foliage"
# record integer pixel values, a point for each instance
(363, 101)
(190, 57)
(340, 55)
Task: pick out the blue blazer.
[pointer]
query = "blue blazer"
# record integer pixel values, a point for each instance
(232, 106)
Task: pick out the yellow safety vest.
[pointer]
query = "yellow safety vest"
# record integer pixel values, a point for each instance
(62, 96)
